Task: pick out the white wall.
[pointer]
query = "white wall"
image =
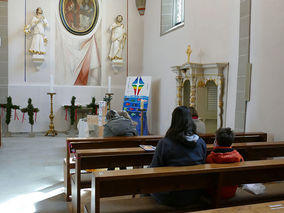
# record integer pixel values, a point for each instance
(265, 109)
(213, 27)
(38, 82)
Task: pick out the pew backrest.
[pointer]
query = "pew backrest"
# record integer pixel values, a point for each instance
(136, 156)
(239, 137)
(119, 142)
(73, 144)
(149, 180)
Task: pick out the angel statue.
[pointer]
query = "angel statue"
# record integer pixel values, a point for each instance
(39, 39)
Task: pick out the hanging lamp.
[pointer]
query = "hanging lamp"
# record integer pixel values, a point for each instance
(140, 4)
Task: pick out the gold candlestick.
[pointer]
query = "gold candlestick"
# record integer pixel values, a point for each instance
(51, 130)
(107, 99)
(141, 120)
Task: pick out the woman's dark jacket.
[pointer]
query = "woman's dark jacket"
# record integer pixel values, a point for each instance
(191, 151)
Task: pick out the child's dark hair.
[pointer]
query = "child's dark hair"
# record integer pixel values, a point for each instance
(225, 136)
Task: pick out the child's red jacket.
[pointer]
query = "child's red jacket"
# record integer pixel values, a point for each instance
(225, 155)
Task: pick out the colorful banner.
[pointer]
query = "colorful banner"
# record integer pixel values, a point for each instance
(137, 89)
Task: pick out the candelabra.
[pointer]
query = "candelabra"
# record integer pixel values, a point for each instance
(108, 98)
(51, 130)
(141, 120)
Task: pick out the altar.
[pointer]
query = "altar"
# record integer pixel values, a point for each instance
(80, 112)
(204, 87)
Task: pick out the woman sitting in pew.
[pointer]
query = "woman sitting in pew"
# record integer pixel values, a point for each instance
(180, 147)
(118, 125)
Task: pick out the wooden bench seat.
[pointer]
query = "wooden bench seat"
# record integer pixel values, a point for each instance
(267, 207)
(137, 181)
(104, 158)
(250, 151)
(136, 156)
(240, 137)
(73, 144)
(0, 131)
(137, 205)
(119, 142)
(274, 191)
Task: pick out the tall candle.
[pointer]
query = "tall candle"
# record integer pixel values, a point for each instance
(51, 83)
(142, 104)
(109, 85)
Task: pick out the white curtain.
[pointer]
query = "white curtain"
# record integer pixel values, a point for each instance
(70, 53)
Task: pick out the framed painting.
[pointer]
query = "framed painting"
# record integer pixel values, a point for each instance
(79, 17)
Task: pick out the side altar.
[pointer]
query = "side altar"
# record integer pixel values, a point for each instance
(194, 82)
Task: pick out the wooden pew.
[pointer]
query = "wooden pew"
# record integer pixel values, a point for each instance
(73, 144)
(119, 142)
(267, 207)
(136, 156)
(149, 180)
(105, 158)
(260, 150)
(0, 131)
(239, 137)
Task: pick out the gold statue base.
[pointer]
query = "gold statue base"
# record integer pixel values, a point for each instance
(52, 132)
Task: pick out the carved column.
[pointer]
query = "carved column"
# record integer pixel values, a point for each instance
(179, 81)
(193, 91)
(220, 110)
(220, 80)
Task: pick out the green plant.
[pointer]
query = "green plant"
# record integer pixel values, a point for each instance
(72, 108)
(9, 106)
(30, 110)
(93, 105)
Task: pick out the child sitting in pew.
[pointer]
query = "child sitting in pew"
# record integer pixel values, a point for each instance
(224, 153)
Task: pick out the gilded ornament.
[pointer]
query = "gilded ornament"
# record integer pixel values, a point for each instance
(192, 99)
(201, 84)
(188, 52)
